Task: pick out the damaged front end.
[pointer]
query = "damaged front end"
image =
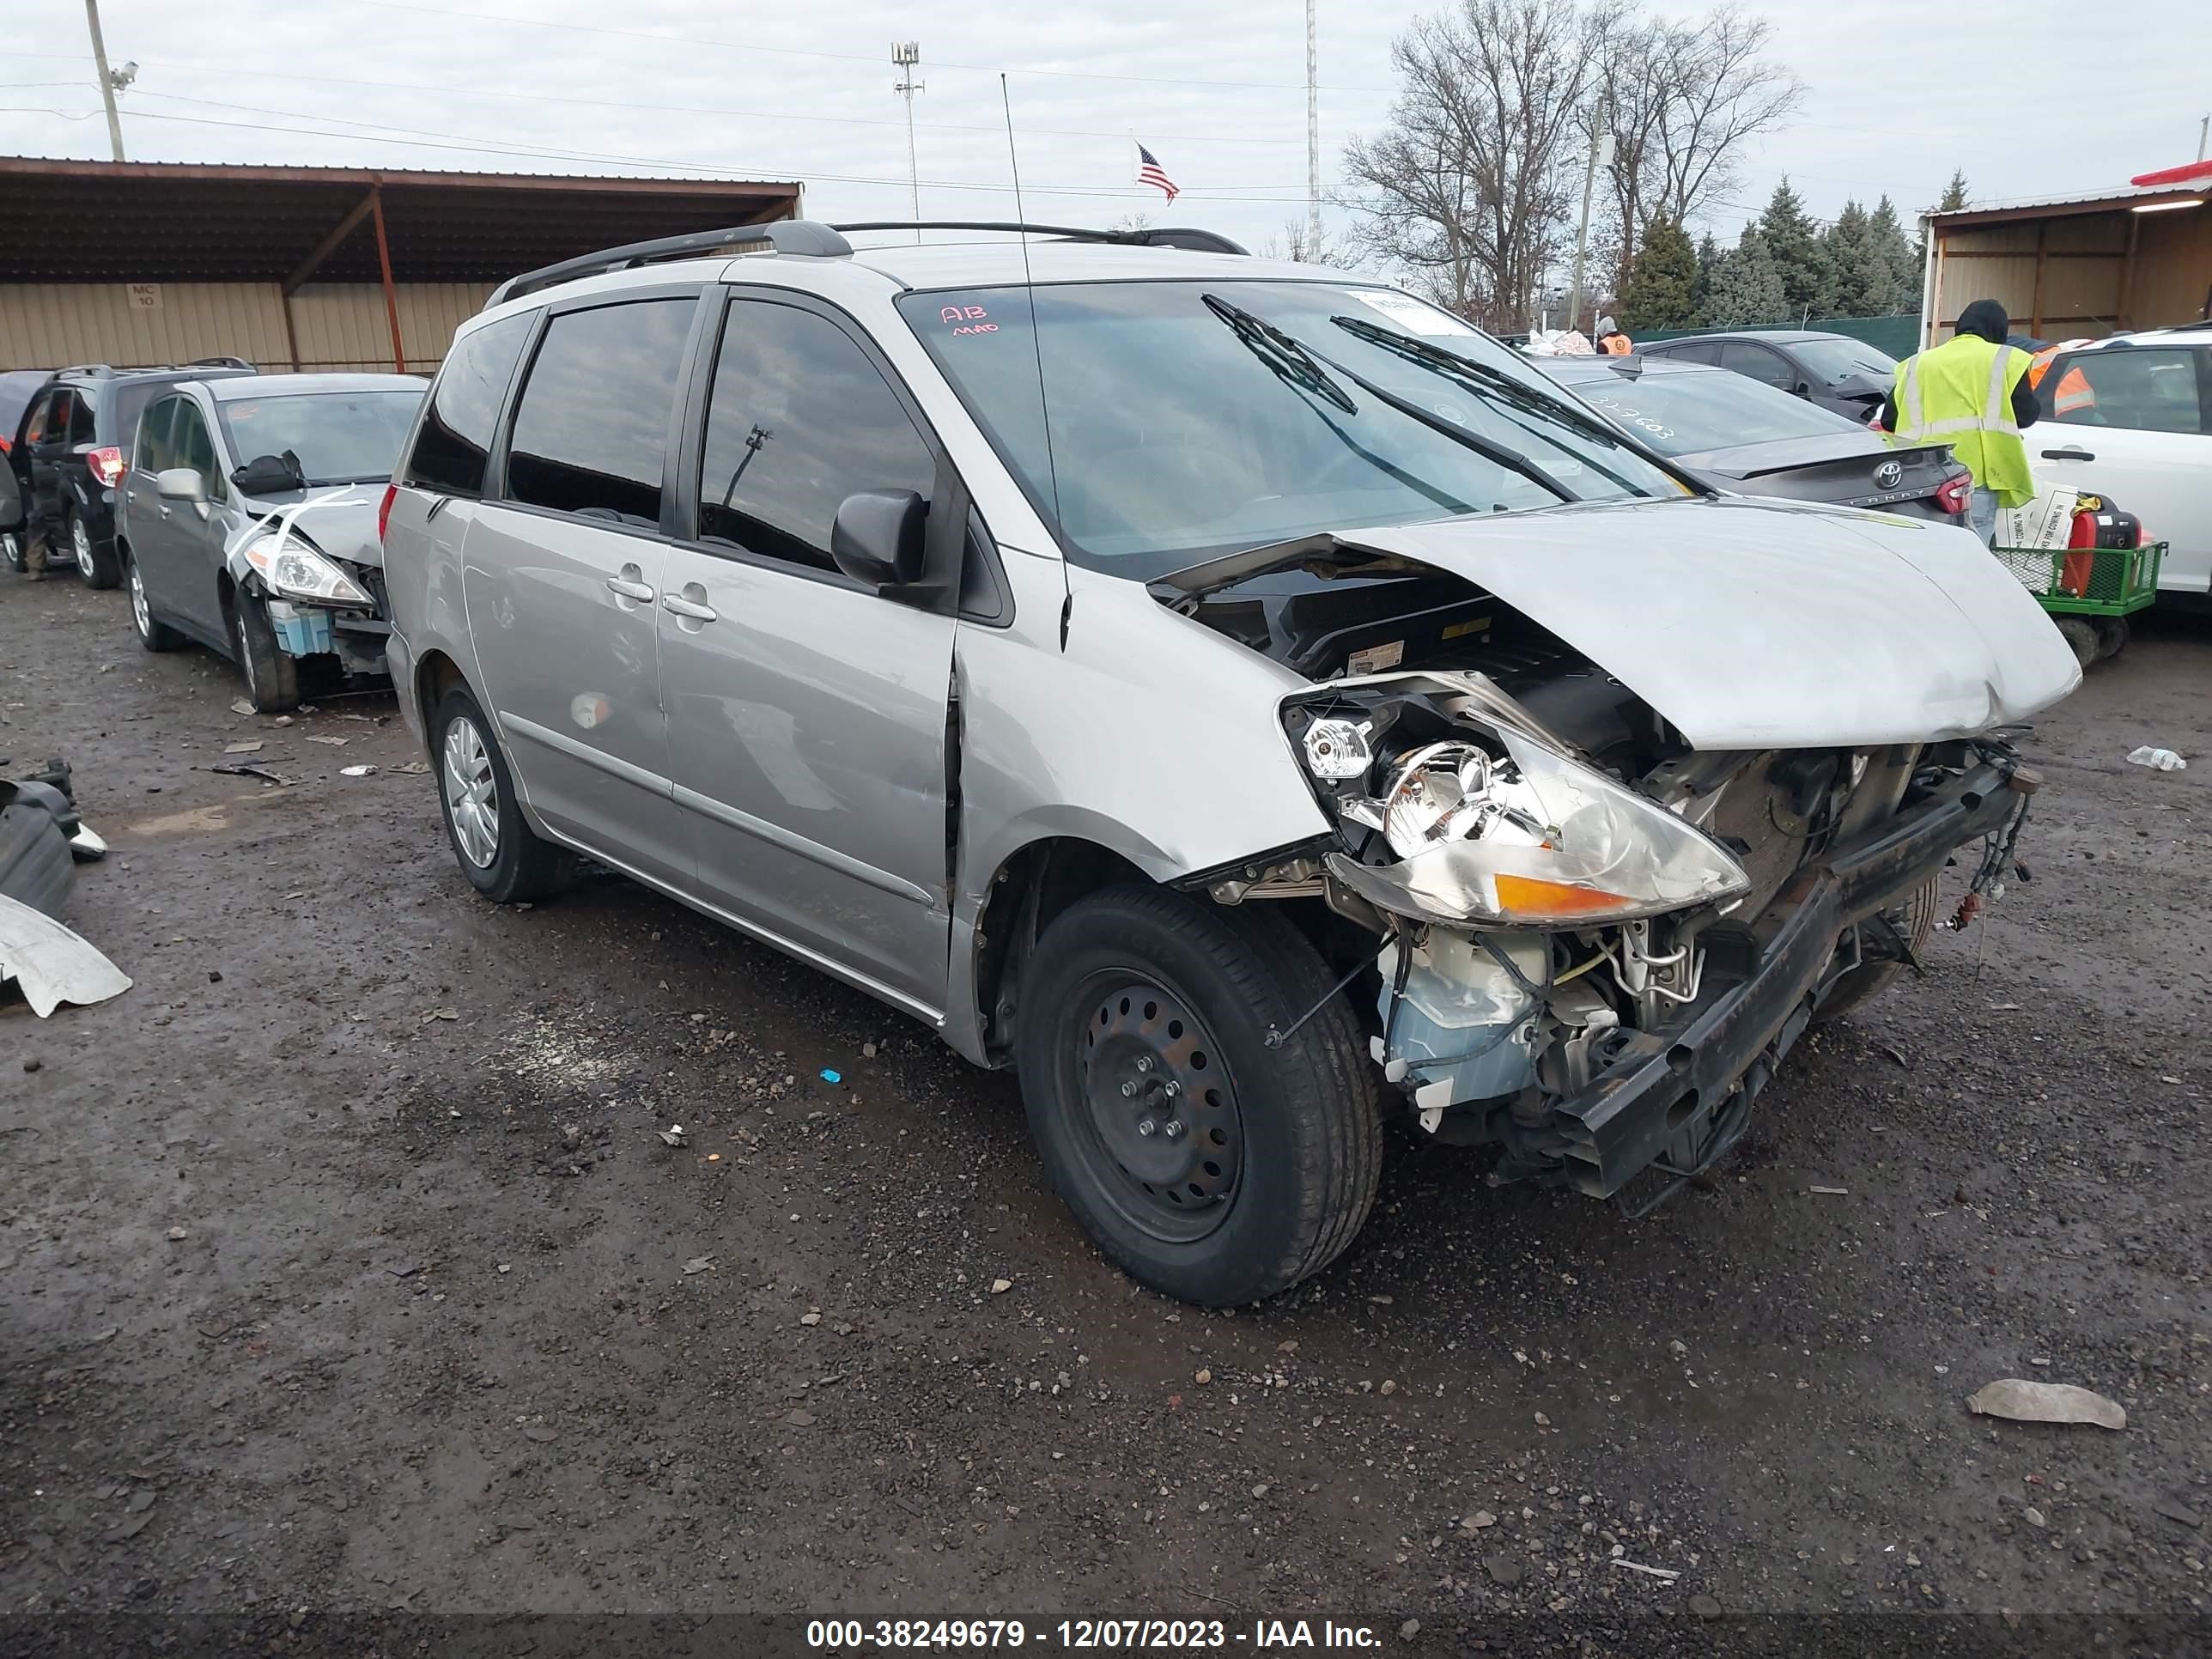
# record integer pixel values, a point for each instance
(319, 602)
(1598, 964)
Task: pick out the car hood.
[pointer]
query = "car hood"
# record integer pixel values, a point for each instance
(339, 521)
(1747, 460)
(1759, 625)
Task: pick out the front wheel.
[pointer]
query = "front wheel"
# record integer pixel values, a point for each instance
(1207, 1164)
(1914, 920)
(272, 678)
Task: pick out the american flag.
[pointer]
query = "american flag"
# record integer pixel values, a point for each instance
(1149, 171)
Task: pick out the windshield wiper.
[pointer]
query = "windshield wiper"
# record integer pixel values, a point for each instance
(1488, 380)
(1287, 358)
(1489, 448)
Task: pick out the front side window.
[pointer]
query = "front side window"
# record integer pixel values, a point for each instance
(338, 437)
(591, 431)
(1842, 362)
(451, 449)
(1188, 418)
(152, 452)
(1758, 363)
(191, 444)
(2147, 389)
(798, 419)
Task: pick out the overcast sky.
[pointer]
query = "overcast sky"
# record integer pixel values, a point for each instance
(1215, 88)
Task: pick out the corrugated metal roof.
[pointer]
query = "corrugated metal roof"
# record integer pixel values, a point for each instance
(2025, 206)
(86, 221)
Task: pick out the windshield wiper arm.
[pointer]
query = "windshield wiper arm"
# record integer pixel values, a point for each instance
(1489, 448)
(1450, 362)
(1286, 356)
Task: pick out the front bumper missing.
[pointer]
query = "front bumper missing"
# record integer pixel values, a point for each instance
(1678, 1100)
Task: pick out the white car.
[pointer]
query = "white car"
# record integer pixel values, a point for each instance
(2130, 417)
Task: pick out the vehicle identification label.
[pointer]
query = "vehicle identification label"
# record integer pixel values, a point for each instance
(1375, 659)
(1417, 316)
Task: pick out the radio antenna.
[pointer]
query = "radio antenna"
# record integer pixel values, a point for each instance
(1037, 347)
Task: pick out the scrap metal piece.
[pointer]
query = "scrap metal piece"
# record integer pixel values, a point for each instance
(52, 963)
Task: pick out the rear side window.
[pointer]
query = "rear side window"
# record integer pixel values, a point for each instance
(124, 405)
(799, 419)
(151, 452)
(2147, 389)
(457, 427)
(80, 419)
(42, 415)
(591, 430)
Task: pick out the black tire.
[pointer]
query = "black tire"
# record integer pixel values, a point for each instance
(272, 678)
(1298, 1175)
(521, 865)
(152, 632)
(98, 565)
(2112, 636)
(1915, 918)
(2081, 636)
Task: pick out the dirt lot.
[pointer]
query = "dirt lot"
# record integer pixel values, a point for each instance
(345, 1267)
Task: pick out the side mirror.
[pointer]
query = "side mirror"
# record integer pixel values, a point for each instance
(1802, 389)
(269, 475)
(877, 536)
(181, 484)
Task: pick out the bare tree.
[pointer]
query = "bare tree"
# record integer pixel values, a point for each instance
(1681, 97)
(1465, 190)
(1295, 245)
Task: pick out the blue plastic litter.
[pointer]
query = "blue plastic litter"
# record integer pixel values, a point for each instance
(301, 631)
(829, 1076)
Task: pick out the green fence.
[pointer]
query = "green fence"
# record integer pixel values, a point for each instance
(1898, 336)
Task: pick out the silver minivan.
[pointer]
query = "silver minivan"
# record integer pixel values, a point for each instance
(1241, 696)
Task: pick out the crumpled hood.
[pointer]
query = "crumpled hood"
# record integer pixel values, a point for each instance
(339, 522)
(1763, 625)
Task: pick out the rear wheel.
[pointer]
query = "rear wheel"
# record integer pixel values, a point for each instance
(1207, 1164)
(272, 678)
(2081, 636)
(503, 857)
(96, 564)
(1914, 920)
(11, 548)
(152, 632)
(2112, 635)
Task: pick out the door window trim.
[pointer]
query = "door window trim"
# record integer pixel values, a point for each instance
(952, 507)
(162, 403)
(494, 481)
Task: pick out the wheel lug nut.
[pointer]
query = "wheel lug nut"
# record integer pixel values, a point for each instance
(1128, 1090)
(1171, 1088)
(1175, 1128)
(1148, 1127)
(1144, 1062)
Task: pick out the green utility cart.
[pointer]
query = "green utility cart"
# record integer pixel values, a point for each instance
(2090, 591)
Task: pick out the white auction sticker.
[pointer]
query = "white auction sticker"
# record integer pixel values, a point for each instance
(1417, 315)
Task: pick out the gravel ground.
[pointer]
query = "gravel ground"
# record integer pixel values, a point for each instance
(345, 1267)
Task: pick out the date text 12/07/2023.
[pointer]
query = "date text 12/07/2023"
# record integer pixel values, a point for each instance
(1078, 1635)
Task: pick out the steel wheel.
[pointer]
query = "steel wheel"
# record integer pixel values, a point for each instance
(1160, 1126)
(471, 793)
(80, 541)
(140, 613)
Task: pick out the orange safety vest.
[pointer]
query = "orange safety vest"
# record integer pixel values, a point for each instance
(2073, 393)
(1617, 345)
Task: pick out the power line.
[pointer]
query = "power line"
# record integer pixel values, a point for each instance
(448, 12)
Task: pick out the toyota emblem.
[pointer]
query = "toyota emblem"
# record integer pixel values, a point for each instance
(1888, 476)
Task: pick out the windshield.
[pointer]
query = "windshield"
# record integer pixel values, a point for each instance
(1191, 418)
(1695, 410)
(340, 437)
(1838, 359)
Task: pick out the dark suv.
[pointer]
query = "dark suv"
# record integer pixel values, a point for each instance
(69, 452)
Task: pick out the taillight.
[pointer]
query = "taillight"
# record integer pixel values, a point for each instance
(107, 465)
(384, 509)
(1953, 494)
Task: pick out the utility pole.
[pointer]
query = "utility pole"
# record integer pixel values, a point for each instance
(1313, 140)
(907, 55)
(1601, 153)
(108, 83)
(2203, 127)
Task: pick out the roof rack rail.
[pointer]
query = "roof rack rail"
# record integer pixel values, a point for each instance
(224, 361)
(1189, 237)
(93, 369)
(802, 237)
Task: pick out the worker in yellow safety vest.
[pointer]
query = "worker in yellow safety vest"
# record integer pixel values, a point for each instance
(1971, 392)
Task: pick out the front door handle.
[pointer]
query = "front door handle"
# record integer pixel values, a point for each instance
(2067, 455)
(691, 603)
(631, 585)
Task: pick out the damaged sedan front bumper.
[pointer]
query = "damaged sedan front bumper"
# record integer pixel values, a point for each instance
(1676, 1099)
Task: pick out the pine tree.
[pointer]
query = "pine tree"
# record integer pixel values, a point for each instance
(1954, 193)
(1662, 288)
(1798, 257)
(1701, 292)
(1902, 260)
(1747, 286)
(1859, 278)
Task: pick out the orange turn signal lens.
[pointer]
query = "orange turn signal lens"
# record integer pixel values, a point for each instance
(1527, 896)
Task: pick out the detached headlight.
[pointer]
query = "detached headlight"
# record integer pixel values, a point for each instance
(1506, 831)
(296, 571)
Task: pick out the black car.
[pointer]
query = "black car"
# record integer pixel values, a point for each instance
(1833, 370)
(69, 449)
(1751, 440)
